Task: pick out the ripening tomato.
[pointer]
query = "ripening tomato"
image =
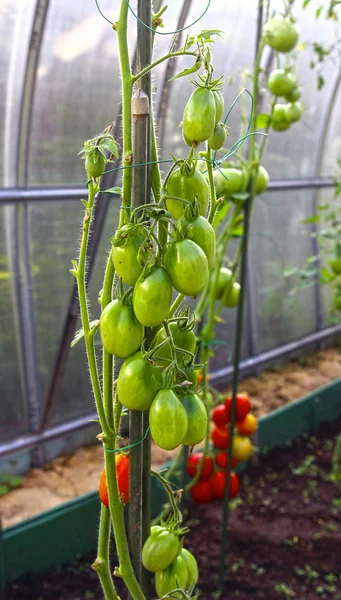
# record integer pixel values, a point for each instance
(193, 462)
(189, 186)
(220, 437)
(220, 415)
(262, 180)
(294, 112)
(202, 492)
(228, 181)
(192, 568)
(173, 577)
(199, 116)
(95, 163)
(152, 297)
(281, 82)
(160, 549)
(222, 458)
(168, 420)
(219, 105)
(217, 137)
(243, 406)
(218, 483)
(122, 473)
(279, 120)
(201, 232)
(242, 447)
(197, 419)
(248, 426)
(182, 339)
(280, 34)
(121, 333)
(137, 382)
(125, 258)
(187, 266)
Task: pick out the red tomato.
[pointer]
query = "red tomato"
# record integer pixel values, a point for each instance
(192, 465)
(221, 460)
(202, 492)
(220, 415)
(220, 437)
(218, 482)
(243, 406)
(248, 426)
(122, 470)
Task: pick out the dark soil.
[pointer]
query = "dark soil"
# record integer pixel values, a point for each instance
(285, 535)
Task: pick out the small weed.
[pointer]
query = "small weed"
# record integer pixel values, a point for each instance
(9, 482)
(307, 572)
(305, 468)
(285, 590)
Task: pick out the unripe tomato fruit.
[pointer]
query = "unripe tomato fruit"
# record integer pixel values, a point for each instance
(337, 302)
(192, 466)
(225, 282)
(173, 577)
(189, 187)
(192, 568)
(182, 339)
(199, 116)
(197, 419)
(202, 492)
(335, 264)
(218, 483)
(228, 181)
(231, 299)
(217, 137)
(243, 406)
(121, 333)
(220, 437)
(220, 415)
(222, 458)
(242, 447)
(279, 120)
(160, 549)
(248, 426)
(95, 163)
(168, 420)
(294, 112)
(201, 232)
(125, 257)
(187, 266)
(294, 95)
(280, 34)
(152, 297)
(262, 180)
(136, 383)
(122, 473)
(280, 82)
(219, 105)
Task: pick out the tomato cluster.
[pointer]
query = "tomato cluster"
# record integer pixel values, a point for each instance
(212, 480)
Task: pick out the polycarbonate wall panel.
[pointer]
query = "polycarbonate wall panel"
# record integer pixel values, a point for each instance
(13, 418)
(332, 146)
(278, 240)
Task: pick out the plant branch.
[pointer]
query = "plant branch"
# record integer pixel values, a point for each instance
(161, 60)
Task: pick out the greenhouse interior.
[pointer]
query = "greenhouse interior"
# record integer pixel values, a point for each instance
(170, 192)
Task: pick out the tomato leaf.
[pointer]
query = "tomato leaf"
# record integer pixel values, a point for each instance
(313, 219)
(263, 121)
(185, 72)
(289, 271)
(113, 190)
(110, 145)
(326, 276)
(221, 213)
(94, 325)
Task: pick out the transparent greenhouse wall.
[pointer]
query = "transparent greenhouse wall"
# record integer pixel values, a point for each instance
(76, 95)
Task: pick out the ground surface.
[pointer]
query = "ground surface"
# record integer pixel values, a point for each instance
(285, 535)
(73, 475)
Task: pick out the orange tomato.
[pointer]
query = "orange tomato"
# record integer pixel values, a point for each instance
(242, 447)
(122, 471)
(248, 426)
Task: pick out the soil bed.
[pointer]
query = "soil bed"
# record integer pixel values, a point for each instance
(285, 535)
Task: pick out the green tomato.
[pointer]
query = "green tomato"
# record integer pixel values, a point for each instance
(337, 302)
(182, 339)
(219, 105)
(121, 333)
(187, 266)
(280, 34)
(228, 181)
(168, 420)
(279, 121)
(231, 299)
(197, 419)
(202, 233)
(217, 137)
(294, 95)
(95, 163)
(199, 116)
(152, 297)
(137, 382)
(294, 112)
(125, 259)
(160, 549)
(189, 187)
(172, 578)
(262, 180)
(280, 82)
(335, 264)
(192, 567)
(225, 282)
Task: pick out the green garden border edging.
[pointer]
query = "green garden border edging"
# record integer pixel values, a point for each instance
(58, 535)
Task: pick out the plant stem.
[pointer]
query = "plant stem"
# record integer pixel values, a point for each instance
(211, 184)
(161, 60)
(102, 563)
(108, 359)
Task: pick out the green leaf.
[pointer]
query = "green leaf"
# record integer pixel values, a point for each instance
(323, 207)
(238, 231)
(221, 213)
(326, 276)
(114, 190)
(14, 481)
(94, 325)
(185, 72)
(305, 3)
(289, 271)
(313, 219)
(110, 145)
(320, 82)
(262, 121)
(318, 12)
(3, 490)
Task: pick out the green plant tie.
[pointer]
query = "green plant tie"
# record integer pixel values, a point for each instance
(117, 450)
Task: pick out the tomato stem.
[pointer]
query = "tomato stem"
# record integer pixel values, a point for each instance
(102, 563)
(161, 60)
